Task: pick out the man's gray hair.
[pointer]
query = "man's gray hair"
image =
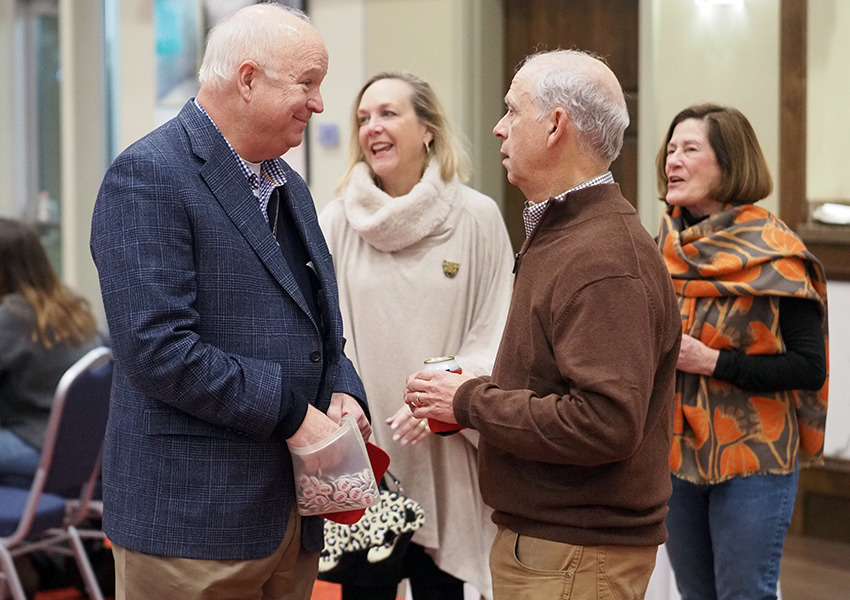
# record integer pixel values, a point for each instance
(233, 40)
(600, 118)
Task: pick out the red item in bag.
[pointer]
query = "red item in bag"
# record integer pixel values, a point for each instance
(379, 460)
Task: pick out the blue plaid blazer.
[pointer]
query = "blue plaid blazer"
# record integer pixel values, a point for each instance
(213, 344)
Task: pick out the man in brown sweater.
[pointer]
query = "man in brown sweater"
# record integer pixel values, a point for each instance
(576, 420)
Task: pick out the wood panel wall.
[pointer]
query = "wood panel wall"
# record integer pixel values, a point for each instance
(793, 206)
(608, 28)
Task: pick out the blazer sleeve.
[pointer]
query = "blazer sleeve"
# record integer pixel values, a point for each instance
(348, 381)
(149, 221)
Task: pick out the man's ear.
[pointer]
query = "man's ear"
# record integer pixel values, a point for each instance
(246, 79)
(559, 127)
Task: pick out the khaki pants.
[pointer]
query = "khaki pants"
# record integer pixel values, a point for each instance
(526, 568)
(288, 574)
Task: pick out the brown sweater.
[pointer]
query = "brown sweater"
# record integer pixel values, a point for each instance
(576, 419)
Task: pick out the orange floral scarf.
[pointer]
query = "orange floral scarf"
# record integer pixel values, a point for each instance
(729, 272)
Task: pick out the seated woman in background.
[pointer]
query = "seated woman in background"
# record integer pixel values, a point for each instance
(424, 270)
(751, 392)
(44, 329)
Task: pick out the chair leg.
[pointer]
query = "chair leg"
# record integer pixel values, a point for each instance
(10, 574)
(83, 564)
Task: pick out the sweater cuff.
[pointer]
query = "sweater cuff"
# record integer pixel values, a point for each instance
(293, 409)
(461, 404)
(726, 368)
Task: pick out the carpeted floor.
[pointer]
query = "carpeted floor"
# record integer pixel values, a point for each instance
(326, 591)
(63, 594)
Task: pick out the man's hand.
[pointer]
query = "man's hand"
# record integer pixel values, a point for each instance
(315, 427)
(430, 394)
(696, 357)
(343, 404)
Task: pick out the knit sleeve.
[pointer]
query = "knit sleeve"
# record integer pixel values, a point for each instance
(15, 328)
(801, 367)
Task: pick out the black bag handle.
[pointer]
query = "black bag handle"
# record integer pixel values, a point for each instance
(391, 483)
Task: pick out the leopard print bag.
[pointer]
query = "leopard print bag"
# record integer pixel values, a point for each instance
(370, 551)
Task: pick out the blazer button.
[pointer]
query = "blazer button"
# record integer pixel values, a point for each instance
(315, 356)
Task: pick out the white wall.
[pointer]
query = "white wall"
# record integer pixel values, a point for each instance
(691, 53)
(83, 139)
(7, 116)
(136, 78)
(828, 118)
(456, 45)
(342, 24)
(838, 419)
(485, 104)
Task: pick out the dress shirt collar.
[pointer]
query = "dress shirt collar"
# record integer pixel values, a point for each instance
(262, 183)
(532, 212)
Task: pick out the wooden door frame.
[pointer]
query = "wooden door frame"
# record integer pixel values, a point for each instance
(830, 243)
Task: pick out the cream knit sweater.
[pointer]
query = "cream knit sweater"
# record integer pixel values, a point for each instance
(400, 307)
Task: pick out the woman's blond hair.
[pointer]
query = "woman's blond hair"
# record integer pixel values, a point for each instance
(452, 158)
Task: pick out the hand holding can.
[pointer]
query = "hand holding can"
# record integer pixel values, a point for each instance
(443, 363)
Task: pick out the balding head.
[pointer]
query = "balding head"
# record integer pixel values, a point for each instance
(588, 91)
(262, 33)
(260, 79)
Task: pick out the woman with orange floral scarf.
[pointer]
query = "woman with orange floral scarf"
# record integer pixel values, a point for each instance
(751, 391)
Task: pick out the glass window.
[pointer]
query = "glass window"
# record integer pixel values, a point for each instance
(39, 132)
(178, 55)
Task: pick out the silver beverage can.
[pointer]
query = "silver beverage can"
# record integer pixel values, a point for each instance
(442, 363)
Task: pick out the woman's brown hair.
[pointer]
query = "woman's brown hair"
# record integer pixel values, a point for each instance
(746, 178)
(61, 317)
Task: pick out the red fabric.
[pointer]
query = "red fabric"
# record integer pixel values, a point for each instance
(443, 428)
(379, 460)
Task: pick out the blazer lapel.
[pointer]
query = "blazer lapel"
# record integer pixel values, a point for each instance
(222, 175)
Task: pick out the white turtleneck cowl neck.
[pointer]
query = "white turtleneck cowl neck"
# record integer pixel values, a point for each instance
(389, 224)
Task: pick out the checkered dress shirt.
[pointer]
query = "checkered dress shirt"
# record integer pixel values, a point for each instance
(532, 212)
(262, 185)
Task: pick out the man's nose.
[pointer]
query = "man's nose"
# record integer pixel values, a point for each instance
(316, 104)
(499, 130)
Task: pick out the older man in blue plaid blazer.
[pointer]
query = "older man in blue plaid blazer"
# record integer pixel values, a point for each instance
(222, 306)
